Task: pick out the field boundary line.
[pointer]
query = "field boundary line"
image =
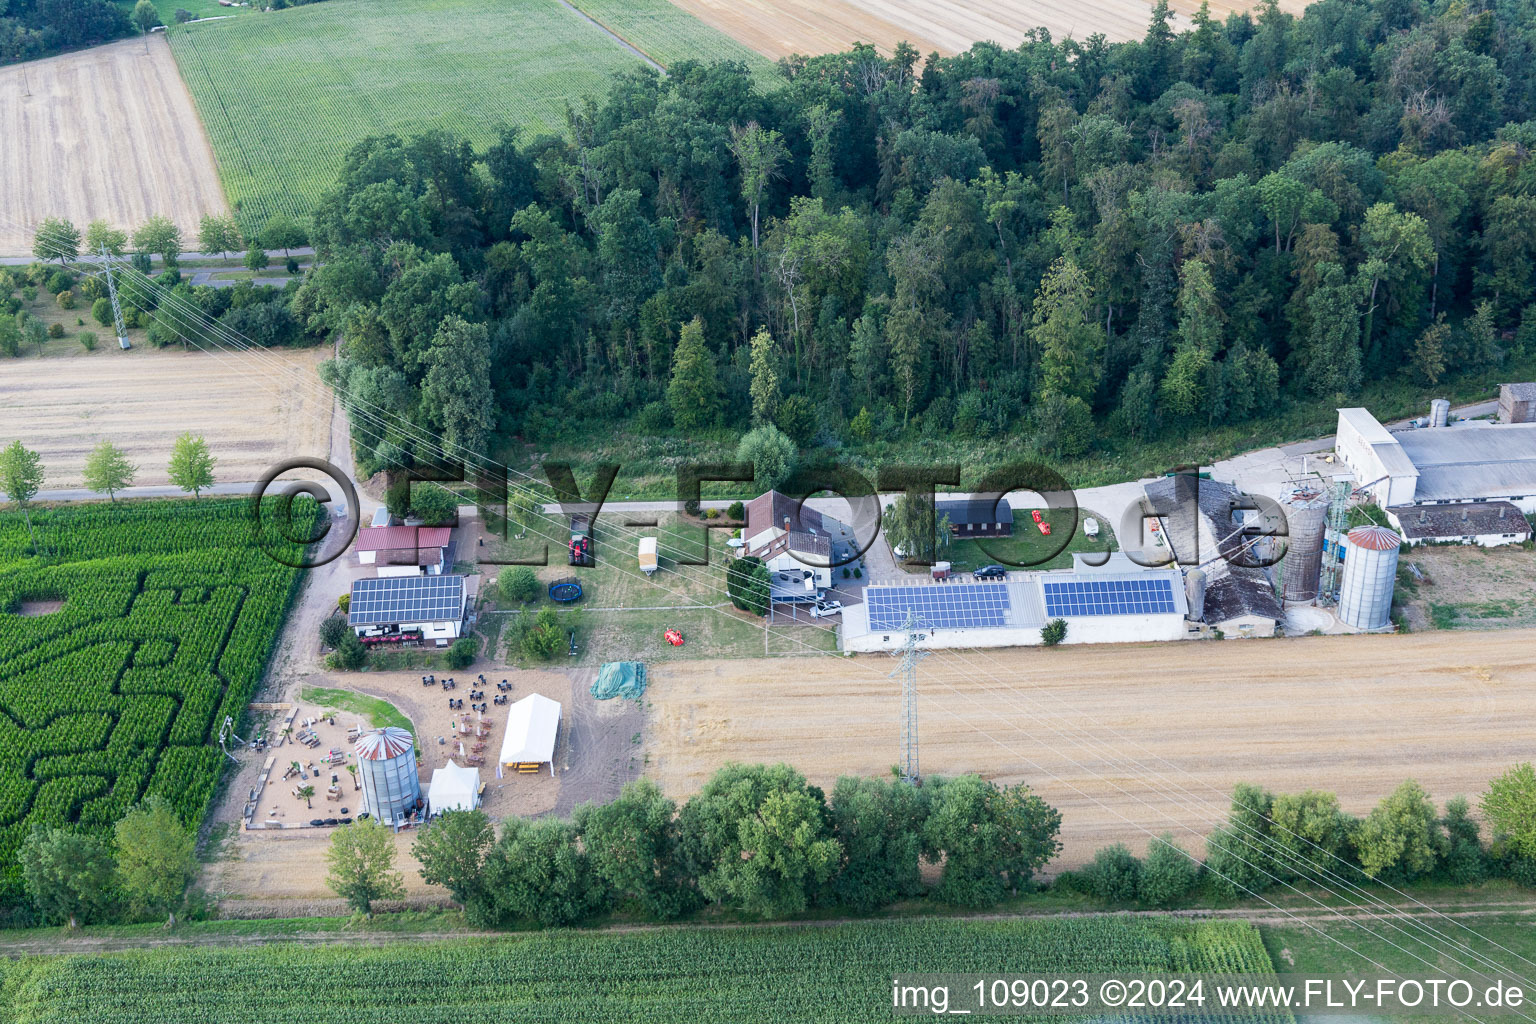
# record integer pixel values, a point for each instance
(652, 61)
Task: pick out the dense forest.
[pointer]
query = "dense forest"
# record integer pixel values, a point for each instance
(1067, 245)
(35, 28)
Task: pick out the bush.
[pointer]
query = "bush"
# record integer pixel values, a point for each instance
(1115, 874)
(1054, 632)
(66, 299)
(655, 417)
(55, 330)
(332, 630)
(29, 293)
(737, 511)
(344, 602)
(87, 340)
(292, 265)
(182, 15)
(350, 653)
(1168, 874)
(60, 281)
(542, 639)
(101, 312)
(711, 513)
(463, 652)
(520, 584)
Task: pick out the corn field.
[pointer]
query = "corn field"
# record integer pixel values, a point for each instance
(839, 974)
(286, 94)
(170, 610)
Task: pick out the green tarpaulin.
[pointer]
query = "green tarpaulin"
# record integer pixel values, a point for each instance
(620, 679)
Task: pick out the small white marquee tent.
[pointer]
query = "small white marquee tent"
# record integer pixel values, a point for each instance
(532, 724)
(453, 788)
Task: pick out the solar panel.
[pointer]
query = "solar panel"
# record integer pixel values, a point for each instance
(945, 606)
(1147, 596)
(406, 599)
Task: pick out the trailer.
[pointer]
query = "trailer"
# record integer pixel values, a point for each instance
(581, 548)
(648, 562)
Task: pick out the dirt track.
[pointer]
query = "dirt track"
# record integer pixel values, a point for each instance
(108, 133)
(142, 399)
(1126, 740)
(779, 28)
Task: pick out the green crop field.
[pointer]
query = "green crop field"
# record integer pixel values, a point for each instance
(284, 95)
(169, 611)
(668, 34)
(838, 974)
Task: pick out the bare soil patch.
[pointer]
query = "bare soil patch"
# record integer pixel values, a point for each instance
(107, 133)
(1128, 741)
(140, 400)
(778, 28)
(42, 607)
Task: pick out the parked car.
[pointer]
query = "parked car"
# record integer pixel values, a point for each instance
(821, 609)
(990, 572)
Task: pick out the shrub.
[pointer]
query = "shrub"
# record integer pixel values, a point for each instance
(463, 652)
(1054, 632)
(344, 602)
(66, 299)
(655, 417)
(60, 281)
(846, 573)
(292, 265)
(350, 653)
(520, 583)
(101, 312)
(1114, 875)
(29, 293)
(182, 15)
(711, 513)
(737, 511)
(55, 330)
(332, 630)
(1168, 874)
(87, 340)
(542, 639)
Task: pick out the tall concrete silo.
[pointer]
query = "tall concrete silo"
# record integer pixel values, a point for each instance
(1370, 572)
(1306, 514)
(1194, 594)
(386, 766)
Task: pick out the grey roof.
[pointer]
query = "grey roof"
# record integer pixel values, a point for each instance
(1240, 592)
(395, 599)
(1463, 519)
(1197, 517)
(974, 510)
(1473, 460)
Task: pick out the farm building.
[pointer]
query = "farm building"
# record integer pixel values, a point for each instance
(404, 550)
(1241, 602)
(432, 605)
(1471, 461)
(533, 724)
(1487, 524)
(792, 540)
(1117, 602)
(976, 517)
(453, 788)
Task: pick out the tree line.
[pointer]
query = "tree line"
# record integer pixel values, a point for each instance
(1076, 244)
(757, 839)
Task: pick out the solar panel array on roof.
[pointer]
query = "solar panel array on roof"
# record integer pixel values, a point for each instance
(1109, 597)
(407, 599)
(948, 606)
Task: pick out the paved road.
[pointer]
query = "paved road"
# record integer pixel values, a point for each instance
(275, 254)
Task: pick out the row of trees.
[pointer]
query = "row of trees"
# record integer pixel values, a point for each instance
(107, 469)
(1099, 243)
(756, 839)
(57, 240)
(1269, 840)
(78, 878)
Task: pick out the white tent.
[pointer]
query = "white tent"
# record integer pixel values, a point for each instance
(532, 724)
(453, 788)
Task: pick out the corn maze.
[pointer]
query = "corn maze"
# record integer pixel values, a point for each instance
(838, 974)
(369, 67)
(127, 633)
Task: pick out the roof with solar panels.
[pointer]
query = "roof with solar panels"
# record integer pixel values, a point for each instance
(1118, 600)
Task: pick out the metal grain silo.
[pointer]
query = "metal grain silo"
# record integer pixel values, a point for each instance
(1439, 413)
(386, 766)
(1306, 514)
(1194, 594)
(1370, 571)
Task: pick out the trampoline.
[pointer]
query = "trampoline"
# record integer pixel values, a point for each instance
(565, 591)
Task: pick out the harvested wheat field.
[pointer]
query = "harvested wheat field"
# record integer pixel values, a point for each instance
(252, 414)
(1127, 741)
(107, 133)
(779, 28)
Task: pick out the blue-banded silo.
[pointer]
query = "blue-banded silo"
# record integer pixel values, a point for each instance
(1370, 572)
(386, 766)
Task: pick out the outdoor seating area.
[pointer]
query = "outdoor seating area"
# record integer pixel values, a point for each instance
(314, 769)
